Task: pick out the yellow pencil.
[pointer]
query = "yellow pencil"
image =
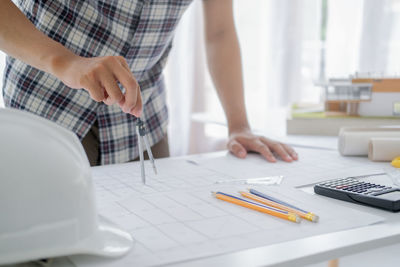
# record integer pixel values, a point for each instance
(303, 214)
(258, 207)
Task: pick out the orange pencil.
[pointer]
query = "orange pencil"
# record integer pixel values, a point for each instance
(308, 216)
(258, 207)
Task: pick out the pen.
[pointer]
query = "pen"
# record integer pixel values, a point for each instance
(258, 207)
(268, 200)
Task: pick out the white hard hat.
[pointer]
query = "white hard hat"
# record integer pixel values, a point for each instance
(47, 206)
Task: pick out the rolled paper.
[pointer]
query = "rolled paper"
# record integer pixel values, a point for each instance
(383, 148)
(355, 141)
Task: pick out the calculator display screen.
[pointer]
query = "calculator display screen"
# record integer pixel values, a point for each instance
(395, 195)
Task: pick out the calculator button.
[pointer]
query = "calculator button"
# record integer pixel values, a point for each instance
(373, 190)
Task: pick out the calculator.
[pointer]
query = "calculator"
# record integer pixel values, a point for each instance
(353, 190)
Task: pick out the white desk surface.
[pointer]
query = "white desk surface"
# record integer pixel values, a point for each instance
(306, 250)
(315, 248)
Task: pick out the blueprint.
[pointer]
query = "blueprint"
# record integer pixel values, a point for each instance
(175, 217)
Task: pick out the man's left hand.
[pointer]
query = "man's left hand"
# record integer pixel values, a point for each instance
(243, 141)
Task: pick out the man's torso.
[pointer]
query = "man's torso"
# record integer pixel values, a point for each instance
(139, 30)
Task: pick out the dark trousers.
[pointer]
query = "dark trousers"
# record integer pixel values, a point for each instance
(91, 145)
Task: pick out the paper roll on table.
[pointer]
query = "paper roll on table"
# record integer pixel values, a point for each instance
(383, 149)
(355, 141)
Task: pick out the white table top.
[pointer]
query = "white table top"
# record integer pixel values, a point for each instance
(306, 250)
(314, 248)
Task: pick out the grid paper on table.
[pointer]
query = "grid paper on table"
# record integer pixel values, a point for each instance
(313, 166)
(175, 218)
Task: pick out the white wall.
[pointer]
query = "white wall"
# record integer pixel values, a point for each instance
(382, 104)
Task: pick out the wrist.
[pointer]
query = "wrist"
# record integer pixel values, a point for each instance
(237, 121)
(238, 128)
(59, 62)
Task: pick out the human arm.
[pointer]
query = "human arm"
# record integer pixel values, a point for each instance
(98, 75)
(224, 62)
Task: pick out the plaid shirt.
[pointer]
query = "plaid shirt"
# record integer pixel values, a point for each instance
(139, 30)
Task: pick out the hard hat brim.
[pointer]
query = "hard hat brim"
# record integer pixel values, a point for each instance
(108, 240)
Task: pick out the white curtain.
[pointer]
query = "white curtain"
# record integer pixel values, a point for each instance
(361, 35)
(281, 48)
(281, 51)
(271, 35)
(184, 76)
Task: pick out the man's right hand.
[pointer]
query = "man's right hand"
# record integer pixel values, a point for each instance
(100, 77)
